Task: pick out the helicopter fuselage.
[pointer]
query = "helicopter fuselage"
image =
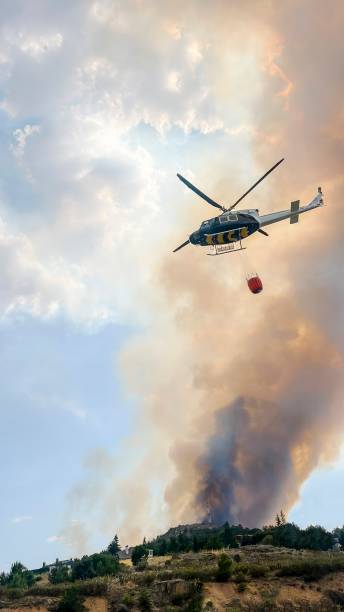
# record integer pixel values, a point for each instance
(234, 226)
(226, 228)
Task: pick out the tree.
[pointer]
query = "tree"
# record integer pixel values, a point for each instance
(316, 538)
(161, 548)
(196, 544)
(58, 574)
(145, 603)
(72, 601)
(99, 564)
(224, 568)
(30, 579)
(339, 533)
(172, 545)
(17, 568)
(287, 535)
(227, 534)
(280, 518)
(213, 542)
(18, 578)
(17, 581)
(114, 547)
(183, 542)
(138, 553)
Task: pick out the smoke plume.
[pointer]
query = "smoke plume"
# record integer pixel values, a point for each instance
(240, 395)
(254, 404)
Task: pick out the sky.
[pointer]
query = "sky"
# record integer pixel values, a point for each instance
(118, 356)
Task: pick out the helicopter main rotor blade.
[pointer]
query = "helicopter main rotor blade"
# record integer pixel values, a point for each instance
(200, 193)
(257, 183)
(181, 246)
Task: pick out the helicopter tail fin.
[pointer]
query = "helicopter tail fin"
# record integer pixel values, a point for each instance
(294, 218)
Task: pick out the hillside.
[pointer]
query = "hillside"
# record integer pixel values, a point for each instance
(261, 578)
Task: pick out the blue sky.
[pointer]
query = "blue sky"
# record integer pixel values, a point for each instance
(114, 357)
(68, 403)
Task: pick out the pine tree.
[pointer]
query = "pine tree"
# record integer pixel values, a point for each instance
(278, 520)
(114, 547)
(283, 518)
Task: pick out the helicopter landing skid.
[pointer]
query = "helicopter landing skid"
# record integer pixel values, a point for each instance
(222, 249)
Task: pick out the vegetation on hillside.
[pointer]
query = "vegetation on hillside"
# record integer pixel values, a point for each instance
(188, 558)
(19, 577)
(282, 533)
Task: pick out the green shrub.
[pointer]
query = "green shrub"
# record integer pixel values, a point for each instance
(148, 578)
(195, 604)
(96, 587)
(193, 572)
(59, 574)
(144, 602)
(139, 552)
(312, 569)
(128, 600)
(47, 590)
(202, 573)
(99, 564)
(142, 565)
(224, 568)
(241, 568)
(269, 597)
(257, 571)
(241, 586)
(239, 577)
(11, 593)
(72, 601)
(93, 588)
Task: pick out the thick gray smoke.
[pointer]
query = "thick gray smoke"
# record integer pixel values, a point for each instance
(248, 468)
(265, 470)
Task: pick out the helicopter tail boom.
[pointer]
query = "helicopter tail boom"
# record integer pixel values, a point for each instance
(293, 213)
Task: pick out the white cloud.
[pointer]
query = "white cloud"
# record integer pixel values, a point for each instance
(36, 47)
(59, 403)
(55, 538)
(20, 137)
(83, 231)
(173, 81)
(21, 519)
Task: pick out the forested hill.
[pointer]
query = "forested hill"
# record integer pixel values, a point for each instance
(207, 536)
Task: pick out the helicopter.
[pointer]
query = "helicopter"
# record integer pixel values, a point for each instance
(224, 233)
